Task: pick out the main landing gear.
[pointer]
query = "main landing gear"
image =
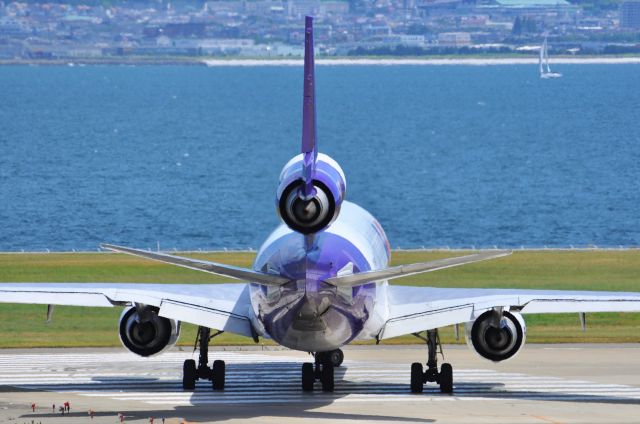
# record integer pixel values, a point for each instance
(191, 373)
(444, 378)
(322, 369)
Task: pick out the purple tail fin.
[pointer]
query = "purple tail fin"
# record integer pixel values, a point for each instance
(309, 133)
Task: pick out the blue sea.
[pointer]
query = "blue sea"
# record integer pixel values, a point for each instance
(189, 157)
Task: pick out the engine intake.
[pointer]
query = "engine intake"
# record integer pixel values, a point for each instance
(307, 215)
(496, 343)
(146, 333)
(311, 214)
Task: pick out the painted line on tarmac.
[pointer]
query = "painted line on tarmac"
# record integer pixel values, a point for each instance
(271, 379)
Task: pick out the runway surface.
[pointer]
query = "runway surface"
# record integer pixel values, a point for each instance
(372, 384)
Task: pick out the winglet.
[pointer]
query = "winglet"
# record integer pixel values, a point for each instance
(309, 133)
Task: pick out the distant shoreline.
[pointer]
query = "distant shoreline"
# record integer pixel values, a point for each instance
(424, 61)
(356, 61)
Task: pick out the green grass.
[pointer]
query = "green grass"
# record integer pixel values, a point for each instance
(24, 325)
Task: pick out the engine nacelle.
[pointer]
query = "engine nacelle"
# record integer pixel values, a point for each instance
(496, 343)
(147, 334)
(310, 215)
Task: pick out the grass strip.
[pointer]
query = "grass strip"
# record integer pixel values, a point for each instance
(25, 326)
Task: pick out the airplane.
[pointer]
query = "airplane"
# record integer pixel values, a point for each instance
(319, 282)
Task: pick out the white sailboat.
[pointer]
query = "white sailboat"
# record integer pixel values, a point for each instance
(543, 62)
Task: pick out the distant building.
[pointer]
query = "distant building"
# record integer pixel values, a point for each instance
(531, 3)
(452, 4)
(84, 51)
(630, 14)
(454, 39)
(376, 29)
(190, 29)
(222, 6)
(272, 50)
(534, 6)
(474, 21)
(437, 7)
(10, 51)
(299, 8)
(13, 27)
(404, 40)
(265, 7)
(334, 8)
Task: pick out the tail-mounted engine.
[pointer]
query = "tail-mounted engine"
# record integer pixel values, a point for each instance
(496, 338)
(145, 333)
(313, 213)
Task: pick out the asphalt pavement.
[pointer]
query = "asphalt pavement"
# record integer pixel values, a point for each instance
(543, 384)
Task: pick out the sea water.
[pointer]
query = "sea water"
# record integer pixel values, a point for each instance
(189, 157)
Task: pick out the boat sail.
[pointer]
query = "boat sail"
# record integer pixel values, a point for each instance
(543, 62)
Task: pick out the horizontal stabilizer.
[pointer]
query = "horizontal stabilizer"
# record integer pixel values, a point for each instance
(244, 274)
(410, 269)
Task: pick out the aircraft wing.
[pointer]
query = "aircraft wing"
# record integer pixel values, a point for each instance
(221, 306)
(415, 309)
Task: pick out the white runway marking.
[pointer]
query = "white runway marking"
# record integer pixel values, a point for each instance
(259, 378)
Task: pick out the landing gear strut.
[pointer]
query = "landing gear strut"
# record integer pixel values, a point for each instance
(322, 369)
(444, 378)
(191, 373)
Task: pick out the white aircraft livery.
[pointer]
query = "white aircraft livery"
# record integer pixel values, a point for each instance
(318, 282)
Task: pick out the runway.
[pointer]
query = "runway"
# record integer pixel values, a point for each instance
(546, 384)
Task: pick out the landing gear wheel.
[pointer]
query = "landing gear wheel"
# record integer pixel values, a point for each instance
(417, 378)
(217, 380)
(326, 378)
(308, 377)
(336, 357)
(319, 358)
(445, 378)
(192, 373)
(189, 375)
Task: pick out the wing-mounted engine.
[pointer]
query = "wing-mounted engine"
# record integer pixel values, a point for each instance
(313, 212)
(496, 338)
(145, 333)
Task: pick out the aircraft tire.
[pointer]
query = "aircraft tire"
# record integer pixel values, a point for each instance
(217, 381)
(417, 378)
(445, 378)
(308, 377)
(336, 357)
(327, 377)
(189, 375)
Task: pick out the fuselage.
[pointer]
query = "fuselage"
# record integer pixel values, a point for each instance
(309, 314)
(323, 236)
